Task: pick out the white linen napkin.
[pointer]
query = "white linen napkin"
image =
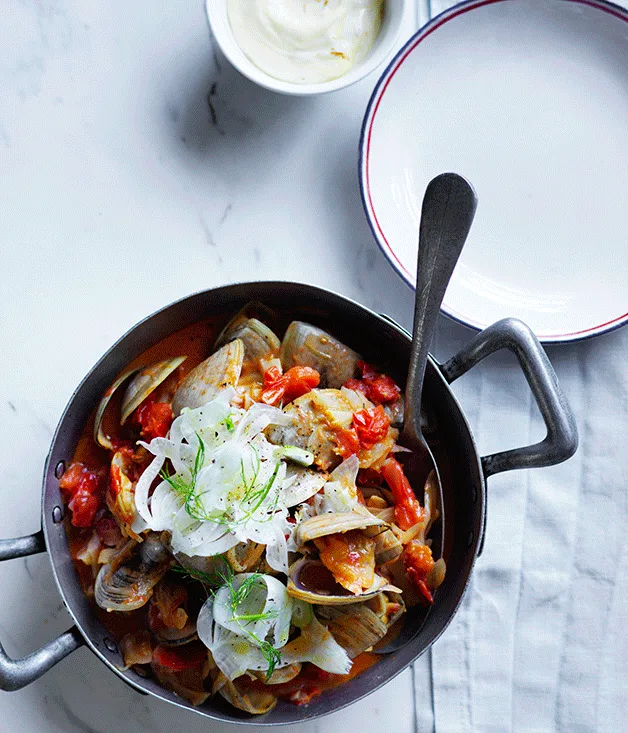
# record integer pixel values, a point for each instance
(540, 643)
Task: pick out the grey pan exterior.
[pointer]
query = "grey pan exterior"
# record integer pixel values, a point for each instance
(381, 341)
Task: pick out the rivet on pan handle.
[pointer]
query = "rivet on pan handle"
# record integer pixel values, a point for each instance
(17, 673)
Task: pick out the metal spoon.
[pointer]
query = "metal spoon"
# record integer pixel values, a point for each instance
(448, 209)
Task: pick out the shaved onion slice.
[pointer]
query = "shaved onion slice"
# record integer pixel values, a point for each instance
(143, 486)
(340, 493)
(234, 635)
(304, 483)
(228, 484)
(267, 598)
(234, 654)
(234, 643)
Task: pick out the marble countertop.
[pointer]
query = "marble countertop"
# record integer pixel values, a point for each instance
(136, 166)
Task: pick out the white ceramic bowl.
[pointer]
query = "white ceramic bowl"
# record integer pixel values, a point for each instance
(383, 46)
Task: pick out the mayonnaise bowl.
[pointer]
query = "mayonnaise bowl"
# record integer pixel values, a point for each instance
(239, 28)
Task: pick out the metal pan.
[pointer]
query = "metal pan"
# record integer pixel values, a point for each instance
(381, 341)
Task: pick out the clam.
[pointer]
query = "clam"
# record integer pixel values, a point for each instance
(188, 684)
(310, 581)
(245, 556)
(120, 495)
(146, 381)
(136, 648)
(218, 372)
(388, 607)
(346, 545)
(356, 627)
(388, 547)
(251, 701)
(307, 345)
(127, 582)
(260, 343)
(253, 310)
(315, 420)
(333, 523)
(168, 619)
(177, 637)
(360, 626)
(279, 676)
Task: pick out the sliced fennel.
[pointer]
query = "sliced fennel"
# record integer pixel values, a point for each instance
(340, 493)
(246, 623)
(227, 483)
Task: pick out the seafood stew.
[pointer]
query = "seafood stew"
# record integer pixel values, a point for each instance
(239, 514)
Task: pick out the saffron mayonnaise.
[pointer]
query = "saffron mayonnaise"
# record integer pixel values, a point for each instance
(305, 41)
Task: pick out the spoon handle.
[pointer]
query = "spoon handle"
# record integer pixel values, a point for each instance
(448, 209)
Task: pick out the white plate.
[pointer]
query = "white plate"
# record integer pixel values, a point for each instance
(528, 99)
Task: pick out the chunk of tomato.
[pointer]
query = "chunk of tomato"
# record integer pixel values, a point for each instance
(377, 387)
(418, 561)
(83, 506)
(178, 659)
(297, 381)
(408, 511)
(371, 426)
(83, 489)
(153, 418)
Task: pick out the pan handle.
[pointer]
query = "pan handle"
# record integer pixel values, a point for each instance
(561, 440)
(17, 673)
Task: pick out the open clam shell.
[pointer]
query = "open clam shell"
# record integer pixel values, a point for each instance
(144, 383)
(310, 581)
(147, 379)
(254, 309)
(177, 637)
(218, 372)
(251, 701)
(189, 684)
(356, 628)
(260, 342)
(168, 617)
(136, 648)
(307, 345)
(333, 523)
(281, 675)
(388, 547)
(127, 582)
